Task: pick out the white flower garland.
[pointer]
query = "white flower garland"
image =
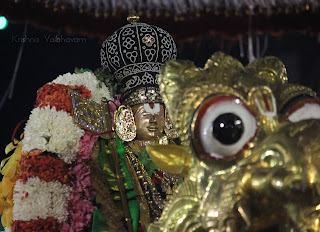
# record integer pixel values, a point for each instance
(88, 80)
(53, 131)
(7, 229)
(38, 199)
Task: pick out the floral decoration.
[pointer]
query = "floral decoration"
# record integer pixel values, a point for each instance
(47, 185)
(57, 95)
(80, 207)
(88, 80)
(53, 131)
(9, 171)
(35, 199)
(47, 166)
(86, 145)
(49, 225)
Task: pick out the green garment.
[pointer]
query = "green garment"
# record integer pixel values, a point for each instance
(98, 224)
(107, 164)
(133, 203)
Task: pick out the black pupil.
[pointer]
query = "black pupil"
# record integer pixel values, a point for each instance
(227, 128)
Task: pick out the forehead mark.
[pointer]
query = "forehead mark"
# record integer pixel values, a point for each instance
(154, 110)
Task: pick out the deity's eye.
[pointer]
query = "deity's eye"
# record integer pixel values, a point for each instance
(222, 127)
(303, 110)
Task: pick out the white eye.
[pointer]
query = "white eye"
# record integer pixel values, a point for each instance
(223, 127)
(306, 111)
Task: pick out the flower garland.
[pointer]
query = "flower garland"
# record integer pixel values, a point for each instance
(57, 95)
(39, 199)
(49, 224)
(53, 131)
(79, 207)
(9, 171)
(53, 190)
(47, 167)
(88, 80)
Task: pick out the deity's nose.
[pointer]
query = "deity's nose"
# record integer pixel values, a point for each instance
(153, 118)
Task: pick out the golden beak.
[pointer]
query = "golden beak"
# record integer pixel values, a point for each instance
(171, 158)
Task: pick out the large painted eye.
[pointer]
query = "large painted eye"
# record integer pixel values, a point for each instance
(224, 125)
(303, 110)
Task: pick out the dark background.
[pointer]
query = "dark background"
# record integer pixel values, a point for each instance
(43, 61)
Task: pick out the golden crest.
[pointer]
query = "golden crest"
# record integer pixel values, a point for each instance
(250, 143)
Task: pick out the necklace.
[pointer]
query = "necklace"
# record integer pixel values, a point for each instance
(169, 183)
(143, 143)
(138, 145)
(154, 199)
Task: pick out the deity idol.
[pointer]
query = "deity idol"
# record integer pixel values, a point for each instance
(71, 171)
(133, 56)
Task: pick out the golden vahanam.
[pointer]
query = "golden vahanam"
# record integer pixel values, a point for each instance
(251, 143)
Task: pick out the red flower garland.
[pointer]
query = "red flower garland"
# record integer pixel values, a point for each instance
(46, 167)
(44, 225)
(57, 95)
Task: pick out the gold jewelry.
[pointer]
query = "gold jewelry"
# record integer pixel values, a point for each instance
(154, 199)
(169, 183)
(125, 126)
(138, 145)
(143, 143)
(169, 128)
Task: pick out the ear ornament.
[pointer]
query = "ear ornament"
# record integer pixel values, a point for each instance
(125, 126)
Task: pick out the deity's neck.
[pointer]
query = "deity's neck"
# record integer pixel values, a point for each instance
(139, 145)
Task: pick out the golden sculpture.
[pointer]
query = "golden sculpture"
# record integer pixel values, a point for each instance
(250, 144)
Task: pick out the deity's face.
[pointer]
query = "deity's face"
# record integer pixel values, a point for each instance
(149, 119)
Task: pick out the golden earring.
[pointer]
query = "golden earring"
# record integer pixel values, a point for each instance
(125, 126)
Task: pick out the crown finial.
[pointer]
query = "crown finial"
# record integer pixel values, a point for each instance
(133, 16)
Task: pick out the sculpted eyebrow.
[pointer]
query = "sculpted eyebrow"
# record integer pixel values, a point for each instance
(141, 110)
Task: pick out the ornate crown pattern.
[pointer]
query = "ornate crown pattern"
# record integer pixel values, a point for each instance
(134, 54)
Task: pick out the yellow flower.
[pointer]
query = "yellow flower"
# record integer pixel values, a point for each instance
(9, 171)
(6, 218)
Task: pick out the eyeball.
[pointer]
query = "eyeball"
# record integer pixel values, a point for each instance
(303, 110)
(222, 128)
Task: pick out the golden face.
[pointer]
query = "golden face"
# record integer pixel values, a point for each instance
(251, 146)
(149, 119)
